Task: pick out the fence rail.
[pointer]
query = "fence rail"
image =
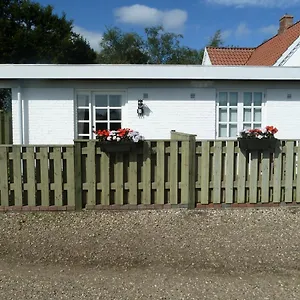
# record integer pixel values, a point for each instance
(5, 128)
(180, 171)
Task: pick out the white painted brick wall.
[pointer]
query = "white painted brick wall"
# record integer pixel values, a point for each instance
(283, 112)
(49, 113)
(172, 109)
(48, 116)
(15, 119)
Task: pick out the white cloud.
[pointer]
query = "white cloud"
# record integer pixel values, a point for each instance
(147, 16)
(226, 34)
(270, 30)
(242, 30)
(261, 3)
(92, 37)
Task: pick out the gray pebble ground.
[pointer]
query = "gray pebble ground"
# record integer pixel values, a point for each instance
(173, 254)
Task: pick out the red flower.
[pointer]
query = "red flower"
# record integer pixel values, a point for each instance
(272, 129)
(102, 132)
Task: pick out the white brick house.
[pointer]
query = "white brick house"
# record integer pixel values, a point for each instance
(54, 104)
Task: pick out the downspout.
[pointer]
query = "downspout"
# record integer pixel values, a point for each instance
(20, 115)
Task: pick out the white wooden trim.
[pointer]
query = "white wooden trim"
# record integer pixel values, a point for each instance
(153, 72)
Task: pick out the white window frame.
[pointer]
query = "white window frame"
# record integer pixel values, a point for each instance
(240, 110)
(92, 109)
(252, 107)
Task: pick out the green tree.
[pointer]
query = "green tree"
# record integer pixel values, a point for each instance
(215, 41)
(5, 99)
(122, 48)
(165, 48)
(186, 56)
(161, 46)
(31, 33)
(158, 47)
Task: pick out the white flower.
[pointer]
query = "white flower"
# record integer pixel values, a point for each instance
(118, 139)
(113, 132)
(114, 137)
(109, 138)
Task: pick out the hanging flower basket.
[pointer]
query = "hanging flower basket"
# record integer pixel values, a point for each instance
(259, 139)
(258, 144)
(116, 141)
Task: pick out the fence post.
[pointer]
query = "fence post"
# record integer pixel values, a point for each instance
(78, 175)
(188, 167)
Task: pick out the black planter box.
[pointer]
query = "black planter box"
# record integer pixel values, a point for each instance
(117, 147)
(259, 144)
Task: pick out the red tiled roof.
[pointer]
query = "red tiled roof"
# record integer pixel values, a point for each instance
(270, 51)
(265, 54)
(229, 56)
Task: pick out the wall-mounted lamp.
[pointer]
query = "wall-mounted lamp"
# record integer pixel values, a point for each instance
(140, 109)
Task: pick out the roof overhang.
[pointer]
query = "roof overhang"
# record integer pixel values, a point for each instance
(154, 72)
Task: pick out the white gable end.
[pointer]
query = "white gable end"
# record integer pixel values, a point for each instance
(206, 60)
(291, 57)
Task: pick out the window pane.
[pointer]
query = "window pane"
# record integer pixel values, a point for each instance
(222, 99)
(83, 100)
(233, 99)
(257, 125)
(257, 115)
(115, 100)
(115, 114)
(247, 126)
(222, 130)
(223, 114)
(82, 114)
(247, 114)
(115, 126)
(101, 114)
(83, 128)
(233, 115)
(101, 126)
(101, 100)
(257, 99)
(232, 130)
(247, 99)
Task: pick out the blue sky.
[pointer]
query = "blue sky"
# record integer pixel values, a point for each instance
(244, 23)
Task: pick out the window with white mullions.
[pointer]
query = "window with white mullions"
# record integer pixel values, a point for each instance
(98, 110)
(107, 111)
(252, 110)
(227, 114)
(237, 110)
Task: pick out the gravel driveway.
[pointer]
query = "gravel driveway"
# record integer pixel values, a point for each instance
(173, 254)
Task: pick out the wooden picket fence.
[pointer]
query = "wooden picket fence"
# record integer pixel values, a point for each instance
(5, 128)
(37, 176)
(178, 172)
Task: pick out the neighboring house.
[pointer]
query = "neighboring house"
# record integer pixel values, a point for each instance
(280, 50)
(54, 104)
